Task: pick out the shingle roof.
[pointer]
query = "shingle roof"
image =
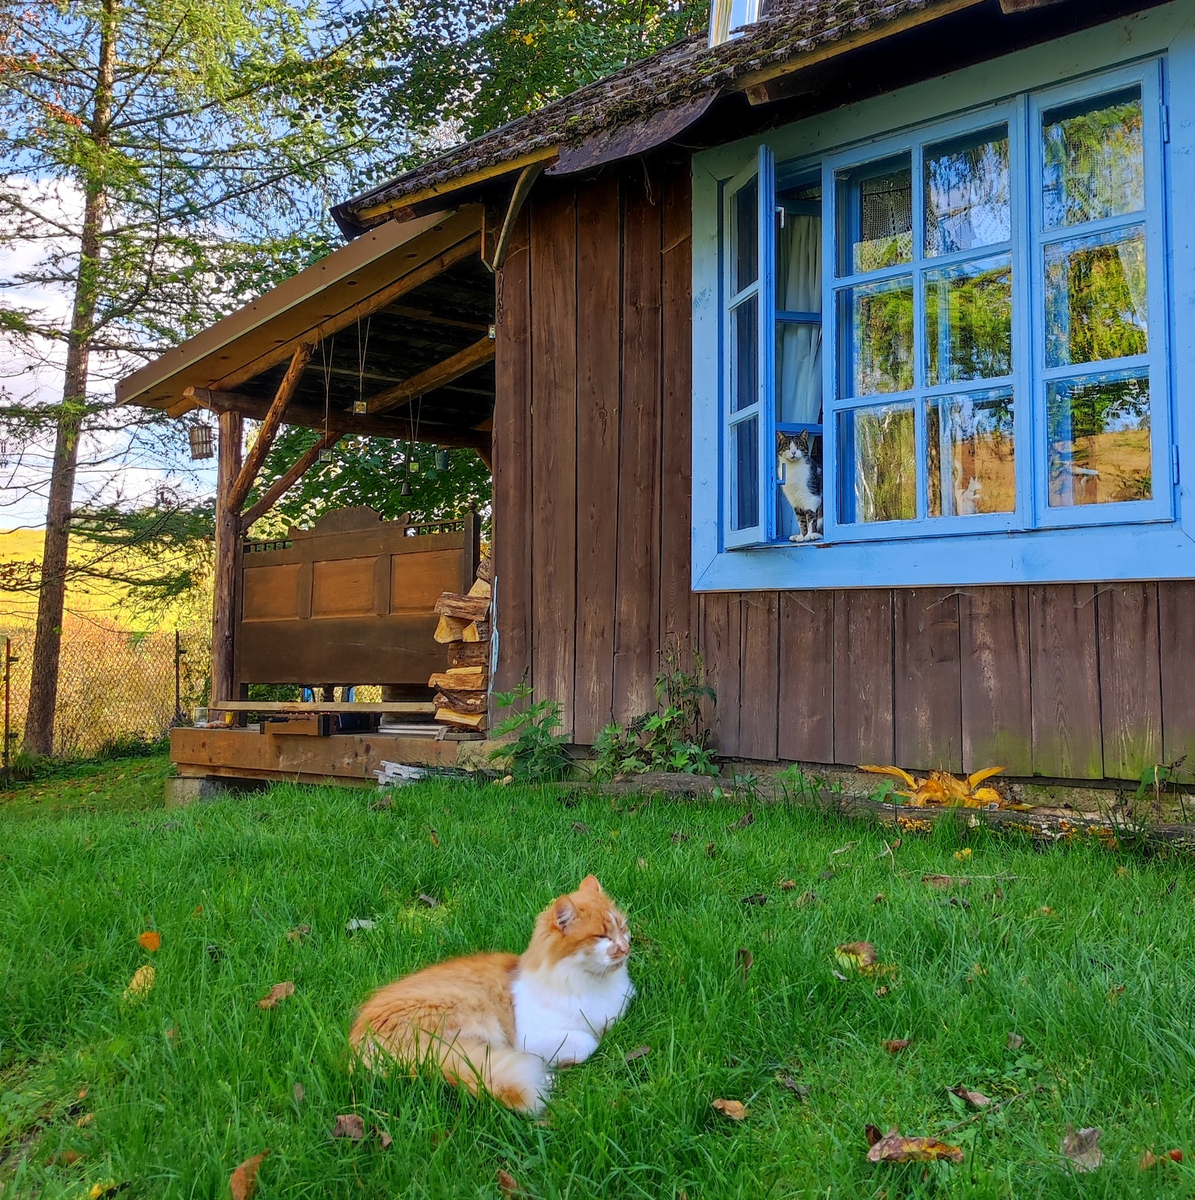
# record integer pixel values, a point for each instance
(677, 75)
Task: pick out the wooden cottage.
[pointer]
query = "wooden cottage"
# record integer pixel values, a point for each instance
(850, 345)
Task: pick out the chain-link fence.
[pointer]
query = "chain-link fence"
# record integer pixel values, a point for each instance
(114, 685)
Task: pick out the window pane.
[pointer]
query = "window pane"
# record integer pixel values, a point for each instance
(877, 458)
(1099, 443)
(1094, 159)
(744, 236)
(799, 251)
(968, 321)
(876, 203)
(966, 193)
(798, 374)
(876, 324)
(745, 485)
(744, 354)
(1096, 298)
(969, 440)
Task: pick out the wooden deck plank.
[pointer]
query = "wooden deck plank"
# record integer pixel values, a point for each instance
(637, 632)
(997, 718)
(1067, 741)
(678, 603)
(927, 717)
(760, 657)
(805, 717)
(1176, 606)
(553, 511)
(1130, 678)
(863, 728)
(512, 443)
(598, 287)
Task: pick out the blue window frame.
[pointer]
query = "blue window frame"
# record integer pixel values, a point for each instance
(974, 349)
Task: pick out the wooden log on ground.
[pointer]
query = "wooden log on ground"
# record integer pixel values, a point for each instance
(466, 702)
(485, 569)
(477, 631)
(469, 654)
(450, 629)
(464, 608)
(449, 716)
(480, 588)
(461, 679)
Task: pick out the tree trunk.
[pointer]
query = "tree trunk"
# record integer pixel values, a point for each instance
(47, 645)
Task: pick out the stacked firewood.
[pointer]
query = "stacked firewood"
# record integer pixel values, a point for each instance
(462, 690)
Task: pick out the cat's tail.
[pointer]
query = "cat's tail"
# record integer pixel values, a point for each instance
(520, 1081)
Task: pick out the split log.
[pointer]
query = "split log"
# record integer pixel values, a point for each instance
(461, 679)
(469, 654)
(466, 702)
(450, 629)
(465, 720)
(485, 569)
(480, 588)
(477, 631)
(464, 608)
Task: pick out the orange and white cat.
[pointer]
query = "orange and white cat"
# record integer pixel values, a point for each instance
(502, 1021)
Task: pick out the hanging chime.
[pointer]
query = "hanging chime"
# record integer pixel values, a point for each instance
(200, 437)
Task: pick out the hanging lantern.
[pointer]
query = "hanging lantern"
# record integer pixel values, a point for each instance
(325, 454)
(405, 490)
(441, 459)
(200, 437)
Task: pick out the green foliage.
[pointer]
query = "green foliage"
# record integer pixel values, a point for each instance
(133, 745)
(673, 738)
(538, 752)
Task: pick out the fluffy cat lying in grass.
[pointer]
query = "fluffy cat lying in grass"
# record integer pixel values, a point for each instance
(501, 1021)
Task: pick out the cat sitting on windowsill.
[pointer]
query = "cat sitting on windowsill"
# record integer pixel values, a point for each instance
(800, 470)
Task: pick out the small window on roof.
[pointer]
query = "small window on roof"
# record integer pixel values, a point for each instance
(729, 17)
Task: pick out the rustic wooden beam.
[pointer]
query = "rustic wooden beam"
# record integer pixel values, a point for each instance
(339, 421)
(487, 456)
(287, 480)
(1016, 6)
(350, 316)
(750, 84)
(518, 198)
(228, 530)
(459, 364)
(376, 212)
(269, 426)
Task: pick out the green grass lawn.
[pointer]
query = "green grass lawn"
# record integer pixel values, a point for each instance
(169, 1093)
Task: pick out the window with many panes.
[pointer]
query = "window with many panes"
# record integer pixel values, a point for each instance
(957, 329)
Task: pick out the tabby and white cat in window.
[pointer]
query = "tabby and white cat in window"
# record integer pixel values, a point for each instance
(799, 468)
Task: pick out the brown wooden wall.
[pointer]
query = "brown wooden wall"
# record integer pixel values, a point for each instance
(591, 548)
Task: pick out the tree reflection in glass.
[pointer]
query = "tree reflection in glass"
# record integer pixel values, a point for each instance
(967, 193)
(968, 321)
(880, 319)
(970, 451)
(1099, 440)
(877, 464)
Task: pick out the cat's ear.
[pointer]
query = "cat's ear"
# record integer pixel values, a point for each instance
(564, 913)
(590, 884)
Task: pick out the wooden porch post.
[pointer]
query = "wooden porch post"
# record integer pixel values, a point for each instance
(228, 533)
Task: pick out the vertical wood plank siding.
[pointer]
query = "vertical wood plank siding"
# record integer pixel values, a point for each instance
(592, 471)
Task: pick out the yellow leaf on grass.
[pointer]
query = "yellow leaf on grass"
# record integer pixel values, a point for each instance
(978, 777)
(855, 956)
(141, 983)
(243, 1181)
(896, 1045)
(897, 1149)
(278, 992)
(733, 1110)
(508, 1185)
(150, 940)
(895, 772)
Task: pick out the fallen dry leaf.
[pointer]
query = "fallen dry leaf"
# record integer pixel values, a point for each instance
(349, 1125)
(944, 881)
(580, 827)
(844, 849)
(786, 885)
(1081, 1147)
(384, 1139)
(141, 983)
(85, 1120)
(433, 837)
(733, 1110)
(872, 1134)
(1115, 991)
(974, 1099)
(839, 976)
(149, 940)
(299, 1092)
(298, 933)
(855, 956)
(243, 1181)
(428, 900)
(678, 837)
(508, 1185)
(896, 1045)
(880, 898)
(745, 960)
(807, 898)
(278, 992)
(1150, 1159)
(66, 1158)
(800, 1090)
(1014, 1041)
(711, 850)
(940, 787)
(638, 1052)
(881, 991)
(756, 898)
(894, 1148)
(748, 818)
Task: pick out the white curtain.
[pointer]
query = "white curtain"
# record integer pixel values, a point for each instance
(799, 357)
